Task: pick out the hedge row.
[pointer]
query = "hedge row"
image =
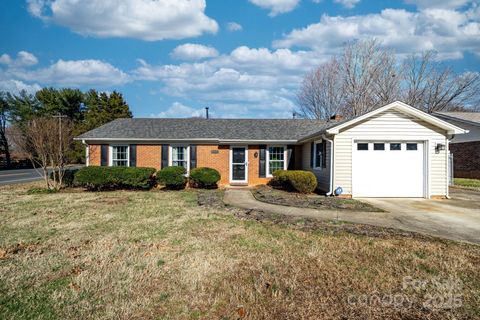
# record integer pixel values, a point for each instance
(298, 180)
(100, 178)
(104, 178)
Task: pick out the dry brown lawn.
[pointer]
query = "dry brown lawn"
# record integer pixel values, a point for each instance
(159, 255)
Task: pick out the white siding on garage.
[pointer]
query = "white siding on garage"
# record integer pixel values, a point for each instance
(391, 125)
(322, 174)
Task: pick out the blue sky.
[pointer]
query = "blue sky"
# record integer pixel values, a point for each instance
(242, 58)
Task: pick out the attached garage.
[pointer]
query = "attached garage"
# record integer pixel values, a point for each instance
(388, 169)
(393, 151)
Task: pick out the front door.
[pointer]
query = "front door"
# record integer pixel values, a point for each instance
(238, 165)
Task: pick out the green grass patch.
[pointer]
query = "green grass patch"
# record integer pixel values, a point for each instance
(463, 182)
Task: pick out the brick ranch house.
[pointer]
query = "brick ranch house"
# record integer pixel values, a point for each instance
(393, 151)
(465, 147)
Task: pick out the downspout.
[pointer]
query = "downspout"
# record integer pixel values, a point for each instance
(447, 151)
(87, 153)
(330, 192)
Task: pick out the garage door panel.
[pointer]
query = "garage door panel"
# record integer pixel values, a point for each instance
(388, 173)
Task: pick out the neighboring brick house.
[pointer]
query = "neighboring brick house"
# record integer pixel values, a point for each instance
(466, 147)
(393, 151)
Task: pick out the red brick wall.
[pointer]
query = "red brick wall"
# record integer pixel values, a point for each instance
(466, 159)
(149, 156)
(216, 157)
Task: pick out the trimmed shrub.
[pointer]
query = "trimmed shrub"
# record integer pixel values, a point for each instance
(68, 177)
(204, 178)
(101, 178)
(298, 180)
(172, 177)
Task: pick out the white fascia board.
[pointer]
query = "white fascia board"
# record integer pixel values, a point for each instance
(450, 128)
(233, 141)
(210, 141)
(142, 140)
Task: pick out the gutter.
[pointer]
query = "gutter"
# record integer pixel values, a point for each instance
(330, 192)
(215, 141)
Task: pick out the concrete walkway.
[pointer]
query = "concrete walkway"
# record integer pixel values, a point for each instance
(412, 220)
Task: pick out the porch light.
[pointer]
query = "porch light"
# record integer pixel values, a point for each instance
(439, 147)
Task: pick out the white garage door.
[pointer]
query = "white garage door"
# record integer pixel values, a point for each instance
(388, 169)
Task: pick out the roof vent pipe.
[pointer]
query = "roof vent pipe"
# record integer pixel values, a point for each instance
(206, 113)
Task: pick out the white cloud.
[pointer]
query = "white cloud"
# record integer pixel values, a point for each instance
(5, 59)
(233, 26)
(179, 110)
(15, 86)
(191, 51)
(235, 84)
(442, 4)
(23, 59)
(349, 4)
(149, 20)
(73, 73)
(449, 32)
(276, 7)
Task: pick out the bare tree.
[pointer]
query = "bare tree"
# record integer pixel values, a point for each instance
(431, 86)
(320, 95)
(367, 76)
(363, 66)
(45, 140)
(387, 86)
(4, 119)
(363, 78)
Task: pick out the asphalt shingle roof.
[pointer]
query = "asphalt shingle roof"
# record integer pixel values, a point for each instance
(466, 116)
(221, 129)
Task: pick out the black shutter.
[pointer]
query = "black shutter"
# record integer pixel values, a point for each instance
(164, 155)
(104, 155)
(312, 155)
(262, 170)
(193, 156)
(291, 159)
(133, 155)
(324, 154)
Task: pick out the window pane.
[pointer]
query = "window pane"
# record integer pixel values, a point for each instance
(119, 156)
(362, 146)
(275, 165)
(379, 146)
(411, 146)
(276, 159)
(318, 155)
(180, 164)
(179, 153)
(238, 155)
(395, 146)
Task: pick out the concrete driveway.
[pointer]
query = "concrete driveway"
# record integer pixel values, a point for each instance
(455, 219)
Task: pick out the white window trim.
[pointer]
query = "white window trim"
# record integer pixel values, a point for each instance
(285, 159)
(315, 156)
(110, 153)
(170, 155)
(87, 155)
